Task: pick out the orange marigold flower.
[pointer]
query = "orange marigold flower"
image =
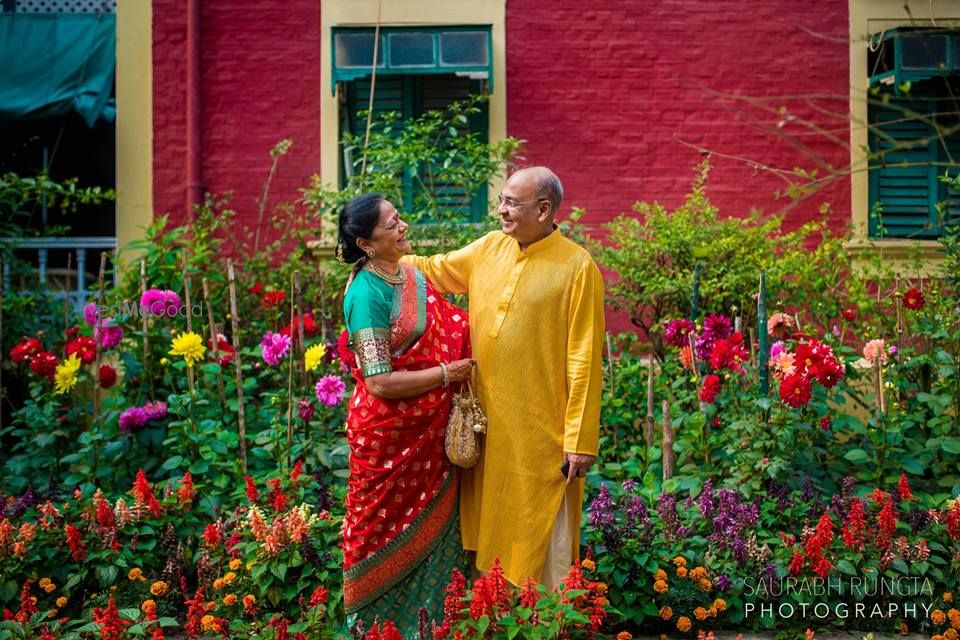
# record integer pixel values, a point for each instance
(700, 614)
(62, 601)
(938, 616)
(720, 604)
(950, 634)
(136, 575)
(229, 577)
(705, 584)
(660, 575)
(666, 613)
(159, 588)
(660, 586)
(230, 599)
(235, 564)
(589, 565)
(948, 597)
(208, 622)
(713, 611)
(698, 573)
(937, 637)
(684, 624)
(148, 606)
(211, 605)
(600, 587)
(680, 561)
(218, 583)
(624, 635)
(50, 587)
(682, 572)
(249, 600)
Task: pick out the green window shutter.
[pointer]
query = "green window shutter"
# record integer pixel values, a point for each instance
(951, 160)
(903, 171)
(411, 96)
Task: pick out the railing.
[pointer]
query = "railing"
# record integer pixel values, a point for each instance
(81, 247)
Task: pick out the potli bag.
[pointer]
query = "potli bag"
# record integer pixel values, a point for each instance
(464, 428)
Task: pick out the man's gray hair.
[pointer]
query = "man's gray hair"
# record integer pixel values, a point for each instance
(548, 186)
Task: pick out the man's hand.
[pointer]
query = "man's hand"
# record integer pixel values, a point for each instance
(579, 465)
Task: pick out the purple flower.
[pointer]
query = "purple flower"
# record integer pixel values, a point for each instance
(305, 409)
(715, 327)
(676, 332)
(133, 419)
(808, 491)
(155, 410)
(160, 302)
(667, 508)
(112, 334)
(629, 485)
(739, 551)
(722, 583)
(706, 500)
(601, 509)
(90, 313)
(275, 347)
(917, 519)
(776, 349)
(330, 390)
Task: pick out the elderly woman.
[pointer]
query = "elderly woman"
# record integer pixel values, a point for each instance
(401, 529)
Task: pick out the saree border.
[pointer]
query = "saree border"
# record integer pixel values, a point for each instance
(373, 576)
(410, 304)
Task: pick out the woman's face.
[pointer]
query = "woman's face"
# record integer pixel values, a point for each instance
(389, 238)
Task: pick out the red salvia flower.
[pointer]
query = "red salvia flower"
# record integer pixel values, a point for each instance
(186, 492)
(818, 544)
(111, 625)
(75, 543)
(953, 521)
(107, 377)
(211, 536)
(480, 603)
(28, 604)
(913, 299)
(390, 631)
(44, 365)
(45, 634)
(277, 499)
(795, 390)
(252, 494)
(903, 489)
(232, 542)
(196, 609)
(85, 347)
(373, 633)
(257, 288)
(106, 519)
(456, 592)
(796, 564)
(529, 596)
(296, 471)
(319, 597)
(854, 529)
(887, 522)
(144, 494)
(280, 625)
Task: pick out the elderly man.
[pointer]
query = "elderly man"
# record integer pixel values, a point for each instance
(536, 320)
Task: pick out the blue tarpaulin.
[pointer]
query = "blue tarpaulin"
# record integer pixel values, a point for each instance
(52, 64)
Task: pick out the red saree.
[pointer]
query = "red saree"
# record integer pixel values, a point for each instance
(402, 497)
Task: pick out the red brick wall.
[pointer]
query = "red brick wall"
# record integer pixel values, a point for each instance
(604, 95)
(260, 84)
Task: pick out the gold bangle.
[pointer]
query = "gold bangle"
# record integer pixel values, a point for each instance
(444, 375)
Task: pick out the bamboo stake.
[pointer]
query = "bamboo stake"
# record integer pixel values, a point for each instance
(613, 379)
(648, 426)
(301, 367)
(667, 442)
(191, 381)
(290, 380)
(99, 334)
(235, 328)
(900, 321)
(213, 338)
(762, 335)
(143, 327)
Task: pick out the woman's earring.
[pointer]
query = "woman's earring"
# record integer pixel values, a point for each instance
(371, 253)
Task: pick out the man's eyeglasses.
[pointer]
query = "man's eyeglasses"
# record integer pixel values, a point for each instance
(513, 205)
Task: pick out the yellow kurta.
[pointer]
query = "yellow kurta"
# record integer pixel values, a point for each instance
(536, 323)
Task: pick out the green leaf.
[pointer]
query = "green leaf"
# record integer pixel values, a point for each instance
(857, 456)
(951, 445)
(844, 566)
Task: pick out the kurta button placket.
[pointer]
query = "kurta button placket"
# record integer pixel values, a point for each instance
(507, 296)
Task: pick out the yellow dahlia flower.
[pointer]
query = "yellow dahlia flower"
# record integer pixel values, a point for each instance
(190, 346)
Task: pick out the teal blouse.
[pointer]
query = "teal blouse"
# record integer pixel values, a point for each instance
(367, 307)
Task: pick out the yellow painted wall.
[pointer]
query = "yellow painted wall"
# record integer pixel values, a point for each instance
(869, 17)
(134, 142)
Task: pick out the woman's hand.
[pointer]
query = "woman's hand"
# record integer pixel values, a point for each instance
(460, 370)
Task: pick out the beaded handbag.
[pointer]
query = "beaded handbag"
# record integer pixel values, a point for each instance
(466, 425)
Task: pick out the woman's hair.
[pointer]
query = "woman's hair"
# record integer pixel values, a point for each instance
(358, 218)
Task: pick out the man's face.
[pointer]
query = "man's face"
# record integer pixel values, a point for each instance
(522, 216)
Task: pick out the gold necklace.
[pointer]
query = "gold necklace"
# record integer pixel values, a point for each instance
(399, 278)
